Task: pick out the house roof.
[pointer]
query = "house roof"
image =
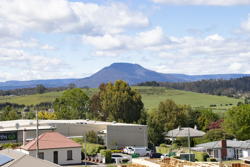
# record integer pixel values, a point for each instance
(230, 143)
(184, 132)
(20, 159)
(51, 140)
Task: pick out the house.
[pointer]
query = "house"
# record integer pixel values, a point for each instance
(13, 158)
(225, 149)
(54, 147)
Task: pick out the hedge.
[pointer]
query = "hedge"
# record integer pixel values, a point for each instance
(92, 149)
(107, 154)
(201, 156)
(9, 145)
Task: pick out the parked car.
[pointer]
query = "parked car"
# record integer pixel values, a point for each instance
(163, 156)
(127, 149)
(142, 151)
(118, 158)
(155, 155)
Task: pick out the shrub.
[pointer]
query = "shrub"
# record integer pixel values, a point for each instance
(163, 149)
(201, 156)
(92, 149)
(213, 160)
(107, 154)
(10, 145)
(116, 151)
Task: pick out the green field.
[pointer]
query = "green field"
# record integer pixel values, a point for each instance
(151, 97)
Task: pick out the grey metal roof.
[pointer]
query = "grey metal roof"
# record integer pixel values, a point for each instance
(23, 160)
(185, 132)
(230, 143)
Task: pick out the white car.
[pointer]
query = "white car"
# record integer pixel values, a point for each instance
(142, 151)
(119, 158)
(163, 156)
(127, 149)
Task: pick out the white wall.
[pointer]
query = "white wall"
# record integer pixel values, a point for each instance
(120, 136)
(246, 153)
(230, 153)
(62, 155)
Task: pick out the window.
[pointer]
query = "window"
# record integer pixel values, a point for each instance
(41, 155)
(69, 155)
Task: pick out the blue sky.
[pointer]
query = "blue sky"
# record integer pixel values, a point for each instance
(44, 39)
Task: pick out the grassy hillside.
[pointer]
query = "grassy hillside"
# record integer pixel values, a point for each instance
(151, 97)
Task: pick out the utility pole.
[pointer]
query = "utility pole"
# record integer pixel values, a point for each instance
(189, 150)
(37, 133)
(85, 151)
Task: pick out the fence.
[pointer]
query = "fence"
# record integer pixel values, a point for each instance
(240, 165)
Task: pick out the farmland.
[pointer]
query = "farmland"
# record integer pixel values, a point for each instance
(151, 97)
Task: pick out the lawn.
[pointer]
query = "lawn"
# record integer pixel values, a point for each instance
(151, 97)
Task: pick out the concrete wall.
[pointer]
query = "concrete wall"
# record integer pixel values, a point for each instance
(30, 134)
(62, 155)
(77, 129)
(121, 135)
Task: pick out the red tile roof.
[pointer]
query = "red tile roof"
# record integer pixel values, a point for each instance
(51, 140)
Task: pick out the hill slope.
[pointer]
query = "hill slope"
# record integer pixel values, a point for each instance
(32, 83)
(151, 97)
(131, 73)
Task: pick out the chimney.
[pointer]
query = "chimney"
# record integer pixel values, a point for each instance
(195, 127)
(223, 149)
(24, 136)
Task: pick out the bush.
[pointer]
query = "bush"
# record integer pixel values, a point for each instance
(163, 149)
(107, 154)
(116, 151)
(92, 149)
(163, 145)
(10, 145)
(213, 160)
(201, 156)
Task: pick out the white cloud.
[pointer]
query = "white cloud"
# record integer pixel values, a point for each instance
(210, 54)
(151, 37)
(116, 42)
(204, 2)
(245, 25)
(18, 16)
(103, 42)
(19, 65)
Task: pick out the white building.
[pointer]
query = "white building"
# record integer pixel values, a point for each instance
(225, 149)
(54, 147)
(115, 135)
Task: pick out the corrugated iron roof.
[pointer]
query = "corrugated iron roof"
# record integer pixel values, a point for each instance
(51, 140)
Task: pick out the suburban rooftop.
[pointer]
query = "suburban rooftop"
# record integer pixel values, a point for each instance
(16, 124)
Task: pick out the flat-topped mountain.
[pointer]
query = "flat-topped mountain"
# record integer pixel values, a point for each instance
(131, 73)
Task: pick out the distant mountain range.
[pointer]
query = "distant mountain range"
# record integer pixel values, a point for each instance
(131, 73)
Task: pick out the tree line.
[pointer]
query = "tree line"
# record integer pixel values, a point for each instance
(39, 89)
(231, 88)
